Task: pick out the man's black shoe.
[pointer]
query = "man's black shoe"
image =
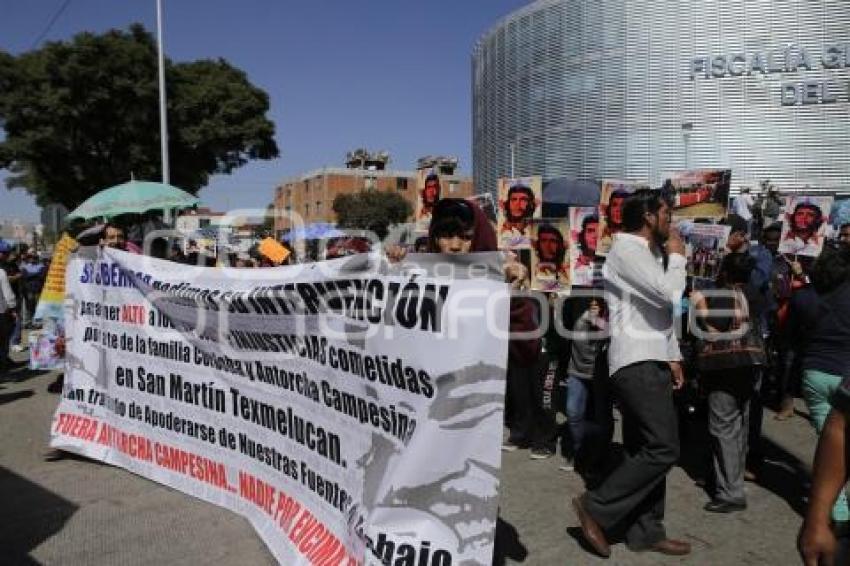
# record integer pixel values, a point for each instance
(720, 506)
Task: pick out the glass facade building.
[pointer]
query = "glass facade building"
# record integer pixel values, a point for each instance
(635, 89)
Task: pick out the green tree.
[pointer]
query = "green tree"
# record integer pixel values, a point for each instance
(83, 115)
(371, 210)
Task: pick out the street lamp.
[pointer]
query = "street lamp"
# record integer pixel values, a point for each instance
(687, 128)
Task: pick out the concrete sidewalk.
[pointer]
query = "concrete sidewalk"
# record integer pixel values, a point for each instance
(73, 511)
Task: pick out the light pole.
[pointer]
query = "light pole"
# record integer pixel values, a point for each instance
(163, 118)
(512, 147)
(687, 128)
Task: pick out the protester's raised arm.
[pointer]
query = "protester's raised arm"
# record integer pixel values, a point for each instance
(816, 542)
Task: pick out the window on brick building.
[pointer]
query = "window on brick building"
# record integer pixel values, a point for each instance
(401, 183)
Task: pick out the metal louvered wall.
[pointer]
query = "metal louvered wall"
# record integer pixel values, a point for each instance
(602, 89)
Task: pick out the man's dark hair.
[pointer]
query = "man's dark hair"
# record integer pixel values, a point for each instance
(451, 217)
(814, 208)
(518, 188)
(736, 267)
(638, 204)
(775, 227)
(736, 223)
(562, 250)
(421, 244)
(159, 248)
(114, 225)
(831, 268)
(582, 240)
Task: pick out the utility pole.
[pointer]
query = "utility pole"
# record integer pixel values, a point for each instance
(687, 128)
(163, 117)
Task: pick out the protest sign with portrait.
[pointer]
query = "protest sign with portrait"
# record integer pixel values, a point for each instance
(612, 197)
(804, 225)
(584, 239)
(429, 191)
(268, 392)
(520, 202)
(550, 256)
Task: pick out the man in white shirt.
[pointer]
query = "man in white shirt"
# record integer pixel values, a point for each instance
(744, 204)
(7, 318)
(645, 368)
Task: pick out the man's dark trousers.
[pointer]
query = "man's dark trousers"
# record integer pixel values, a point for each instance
(7, 323)
(631, 499)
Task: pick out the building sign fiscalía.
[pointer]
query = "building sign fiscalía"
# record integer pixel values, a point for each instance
(789, 59)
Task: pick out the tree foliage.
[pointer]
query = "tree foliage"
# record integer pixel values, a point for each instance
(83, 115)
(371, 210)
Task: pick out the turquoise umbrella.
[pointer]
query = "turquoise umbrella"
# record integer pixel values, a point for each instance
(134, 197)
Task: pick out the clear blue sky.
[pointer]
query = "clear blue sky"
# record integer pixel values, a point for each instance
(382, 74)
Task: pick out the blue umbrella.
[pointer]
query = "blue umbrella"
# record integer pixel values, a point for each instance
(840, 213)
(313, 231)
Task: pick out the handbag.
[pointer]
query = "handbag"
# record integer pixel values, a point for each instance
(742, 346)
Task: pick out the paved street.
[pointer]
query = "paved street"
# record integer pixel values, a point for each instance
(72, 511)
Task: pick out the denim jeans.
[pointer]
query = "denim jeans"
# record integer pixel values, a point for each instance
(577, 392)
(818, 388)
(15, 337)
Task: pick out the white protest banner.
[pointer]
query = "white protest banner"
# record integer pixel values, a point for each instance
(353, 415)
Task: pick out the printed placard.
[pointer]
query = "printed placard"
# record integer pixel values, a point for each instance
(307, 398)
(611, 199)
(584, 235)
(429, 189)
(705, 246)
(804, 225)
(520, 202)
(700, 193)
(551, 256)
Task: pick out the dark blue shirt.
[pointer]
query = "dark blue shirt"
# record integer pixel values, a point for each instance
(828, 349)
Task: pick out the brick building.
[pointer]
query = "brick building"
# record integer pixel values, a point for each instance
(312, 194)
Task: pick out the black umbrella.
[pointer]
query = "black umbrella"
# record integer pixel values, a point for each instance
(561, 193)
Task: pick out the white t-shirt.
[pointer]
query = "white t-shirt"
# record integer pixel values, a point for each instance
(743, 205)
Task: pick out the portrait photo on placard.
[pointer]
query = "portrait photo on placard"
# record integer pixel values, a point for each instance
(705, 246)
(429, 191)
(520, 202)
(804, 225)
(700, 193)
(584, 241)
(550, 255)
(611, 198)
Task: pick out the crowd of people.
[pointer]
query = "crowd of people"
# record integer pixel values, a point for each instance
(22, 276)
(773, 327)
